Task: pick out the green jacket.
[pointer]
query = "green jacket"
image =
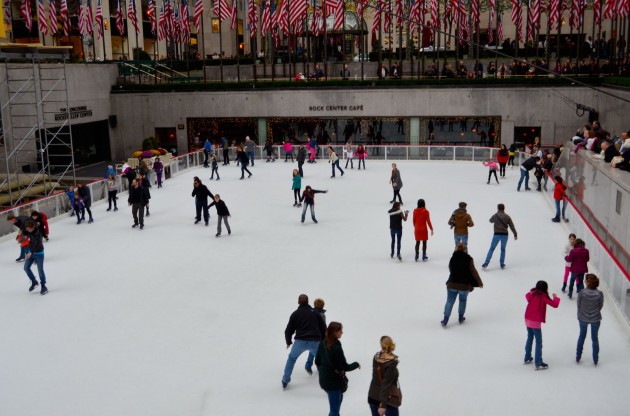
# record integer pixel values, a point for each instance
(330, 362)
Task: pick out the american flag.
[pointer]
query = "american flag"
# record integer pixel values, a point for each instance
(448, 8)
(222, 9)
(316, 22)
(388, 16)
(89, 17)
(43, 23)
(266, 18)
(610, 9)
(360, 6)
(252, 18)
(26, 14)
(83, 29)
(198, 14)
(490, 34)
(161, 25)
(340, 8)
(184, 17)
(120, 19)
(131, 14)
(377, 18)
(414, 13)
(296, 12)
(65, 17)
(177, 33)
(499, 30)
(400, 13)
(553, 12)
(233, 16)
(517, 19)
(99, 19)
(623, 8)
(435, 14)
(151, 13)
(474, 6)
(169, 18)
(280, 19)
(6, 5)
(52, 16)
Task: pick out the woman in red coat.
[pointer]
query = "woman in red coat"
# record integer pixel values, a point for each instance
(421, 219)
(502, 157)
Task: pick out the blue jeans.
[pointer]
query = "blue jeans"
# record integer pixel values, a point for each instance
(564, 208)
(37, 258)
(22, 253)
(312, 211)
(502, 238)
(396, 235)
(534, 333)
(461, 237)
(451, 295)
(335, 397)
(594, 339)
(250, 155)
(390, 411)
(299, 346)
(336, 163)
(580, 282)
(524, 175)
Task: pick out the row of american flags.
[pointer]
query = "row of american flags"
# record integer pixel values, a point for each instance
(290, 16)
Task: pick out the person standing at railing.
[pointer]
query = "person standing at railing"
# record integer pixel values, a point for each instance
(84, 193)
(361, 154)
(512, 153)
(225, 145)
(158, 167)
(207, 149)
(112, 190)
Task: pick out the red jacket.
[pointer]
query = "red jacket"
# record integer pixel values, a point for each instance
(503, 158)
(560, 192)
(421, 219)
(537, 305)
(578, 257)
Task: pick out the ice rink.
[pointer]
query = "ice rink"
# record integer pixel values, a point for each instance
(171, 321)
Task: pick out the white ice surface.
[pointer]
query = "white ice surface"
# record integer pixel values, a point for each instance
(173, 321)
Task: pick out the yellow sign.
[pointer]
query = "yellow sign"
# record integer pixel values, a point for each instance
(3, 31)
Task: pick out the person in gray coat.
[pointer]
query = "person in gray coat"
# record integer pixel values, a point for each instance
(590, 302)
(396, 182)
(250, 149)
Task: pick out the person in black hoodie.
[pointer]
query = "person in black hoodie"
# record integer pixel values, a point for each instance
(242, 157)
(19, 222)
(201, 194)
(144, 182)
(137, 200)
(301, 157)
(222, 212)
(309, 329)
(35, 255)
(528, 165)
(461, 281)
(84, 193)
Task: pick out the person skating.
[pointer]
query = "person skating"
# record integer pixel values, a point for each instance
(309, 329)
(41, 220)
(35, 254)
(421, 226)
(215, 167)
(396, 217)
(384, 396)
(137, 200)
(158, 167)
(361, 154)
(590, 302)
(318, 306)
(201, 194)
(396, 182)
(301, 158)
(348, 154)
(308, 196)
(296, 186)
(502, 222)
(19, 223)
(567, 264)
(79, 207)
(112, 190)
(560, 196)
(242, 157)
(460, 221)
(463, 278)
(207, 150)
(144, 182)
(223, 213)
(492, 170)
(535, 315)
(288, 150)
(579, 258)
(84, 192)
(271, 155)
(527, 166)
(503, 156)
(250, 150)
(334, 159)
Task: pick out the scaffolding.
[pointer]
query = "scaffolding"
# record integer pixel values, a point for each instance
(36, 134)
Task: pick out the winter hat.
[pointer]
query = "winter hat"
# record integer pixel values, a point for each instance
(463, 205)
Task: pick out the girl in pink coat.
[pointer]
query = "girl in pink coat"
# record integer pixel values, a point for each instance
(492, 169)
(288, 150)
(535, 314)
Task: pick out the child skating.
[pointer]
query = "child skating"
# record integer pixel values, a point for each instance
(223, 214)
(297, 187)
(215, 167)
(308, 196)
(567, 264)
(492, 169)
(535, 314)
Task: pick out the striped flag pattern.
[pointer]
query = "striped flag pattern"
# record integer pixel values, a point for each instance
(161, 25)
(435, 16)
(554, 15)
(414, 13)
(296, 13)
(89, 17)
(151, 12)
(99, 19)
(387, 22)
(360, 6)
(377, 17)
(120, 19)
(233, 16)
(340, 9)
(184, 21)
(222, 9)
(43, 23)
(6, 5)
(65, 17)
(474, 6)
(83, 30)
(198, 14)
(266, 18)
(517, 19)
(131, 14)
(52, 17)
(400, 13)
(25, 9)
(499, 30)
(252, 18)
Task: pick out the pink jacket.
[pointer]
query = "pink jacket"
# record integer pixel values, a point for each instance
(537, 305)
(288, 147)
(361, 155)
(491, 165)
(578, 257)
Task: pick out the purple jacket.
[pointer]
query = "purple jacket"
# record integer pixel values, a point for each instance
(579, 258)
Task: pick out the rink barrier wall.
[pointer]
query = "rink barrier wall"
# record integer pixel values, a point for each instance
(593, 218)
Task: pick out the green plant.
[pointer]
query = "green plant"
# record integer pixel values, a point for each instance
(149, 143)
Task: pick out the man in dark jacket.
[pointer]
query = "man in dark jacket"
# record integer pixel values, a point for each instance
(19, 222)
(462, 279)
(527, 166)
(201, 194)
(137, 200)
(301, 157)
(309, 329)
(502, 222)
(35, 255)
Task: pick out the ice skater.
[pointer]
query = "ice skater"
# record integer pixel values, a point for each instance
(201, 194)
(19, 223)
(348, 154)
(492, 170)
(579, 258)
(334, 159)
(361, 154)
(137, 200)
(567, 265)
(35, 254)
(396, 217)
(421, 226)
(215, 167)
(241, 156)
(502, 222)
(396, 182)
(158, 167)
(112, 190)
(84, 193)
(288, 150)
(560, 196)
(308, 196)
(462, 279)
(535, 314)
(223, 213)
(297, 187)
(590, 302)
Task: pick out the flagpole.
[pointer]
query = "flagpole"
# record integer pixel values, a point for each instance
(325, 35)
(238, 50)
(203, 49)
(361, 46)
(220, 40)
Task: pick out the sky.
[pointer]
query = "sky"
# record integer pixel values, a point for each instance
(171, 320)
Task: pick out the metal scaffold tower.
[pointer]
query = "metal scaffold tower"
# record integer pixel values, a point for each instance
(36, 148)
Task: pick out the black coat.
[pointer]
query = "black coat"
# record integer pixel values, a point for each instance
(137, 195)
(307, 325)
(222, 209)
(202, 193)
(84, 193)
(330, 363)
(20, 220)
(243, 158)
(301, 155)
(36, 244)
(529, 164)
(463, 275)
